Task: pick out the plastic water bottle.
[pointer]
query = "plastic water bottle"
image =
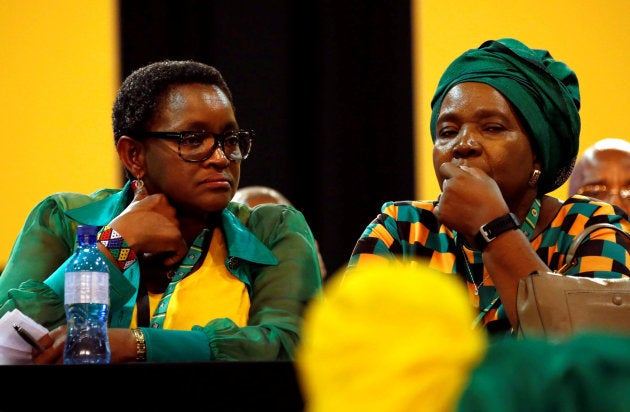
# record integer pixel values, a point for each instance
(86, 301)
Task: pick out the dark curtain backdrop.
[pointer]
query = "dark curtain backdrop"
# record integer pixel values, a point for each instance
(326, 84)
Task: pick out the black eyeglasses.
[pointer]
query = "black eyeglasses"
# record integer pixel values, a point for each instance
(200, 146)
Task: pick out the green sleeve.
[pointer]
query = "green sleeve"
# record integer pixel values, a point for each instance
(165, 345)
(47, 238)
(39, 302)
(279, 293)
(44, 243)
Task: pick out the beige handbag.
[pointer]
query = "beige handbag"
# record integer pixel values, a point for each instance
(553, 305)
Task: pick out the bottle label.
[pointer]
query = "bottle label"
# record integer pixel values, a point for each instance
(86, 287)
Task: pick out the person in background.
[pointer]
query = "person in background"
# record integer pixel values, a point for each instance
(255, 195)
(505, 127)
(206, 279)
(603, 172)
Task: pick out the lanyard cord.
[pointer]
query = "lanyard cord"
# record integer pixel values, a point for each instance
(528, 226)
(142, 300)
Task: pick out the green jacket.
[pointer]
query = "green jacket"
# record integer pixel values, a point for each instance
(270, 248)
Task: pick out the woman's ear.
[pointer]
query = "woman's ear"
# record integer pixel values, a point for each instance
(131, 154)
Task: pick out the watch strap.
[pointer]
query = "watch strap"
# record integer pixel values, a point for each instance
(494, 228)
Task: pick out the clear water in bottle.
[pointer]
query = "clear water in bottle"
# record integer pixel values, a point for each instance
(86, 301)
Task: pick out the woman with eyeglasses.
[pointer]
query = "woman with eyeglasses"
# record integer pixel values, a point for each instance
(603, 172)
(205, 278)
(505, 127)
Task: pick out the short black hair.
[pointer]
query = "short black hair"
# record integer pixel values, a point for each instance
(142, 92)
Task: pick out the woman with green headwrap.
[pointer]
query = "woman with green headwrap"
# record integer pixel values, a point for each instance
(505, 127)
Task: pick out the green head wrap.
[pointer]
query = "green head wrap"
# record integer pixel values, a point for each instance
(544, 91)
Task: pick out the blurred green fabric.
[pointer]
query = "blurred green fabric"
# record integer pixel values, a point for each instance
(589, 372)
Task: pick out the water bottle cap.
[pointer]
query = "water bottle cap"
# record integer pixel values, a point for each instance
(87, 230)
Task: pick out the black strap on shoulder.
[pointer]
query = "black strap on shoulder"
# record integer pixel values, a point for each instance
(143, 313)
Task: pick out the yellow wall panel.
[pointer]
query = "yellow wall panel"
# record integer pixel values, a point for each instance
(58, 78)
(59, 75)
(592, 37)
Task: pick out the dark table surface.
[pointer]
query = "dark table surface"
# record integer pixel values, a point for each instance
(215, 386)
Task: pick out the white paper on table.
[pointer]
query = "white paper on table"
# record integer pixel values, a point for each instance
(13, 349)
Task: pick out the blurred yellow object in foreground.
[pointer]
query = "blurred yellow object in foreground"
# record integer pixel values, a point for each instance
(389, 337)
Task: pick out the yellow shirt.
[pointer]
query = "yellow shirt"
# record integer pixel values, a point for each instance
(208, 293)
